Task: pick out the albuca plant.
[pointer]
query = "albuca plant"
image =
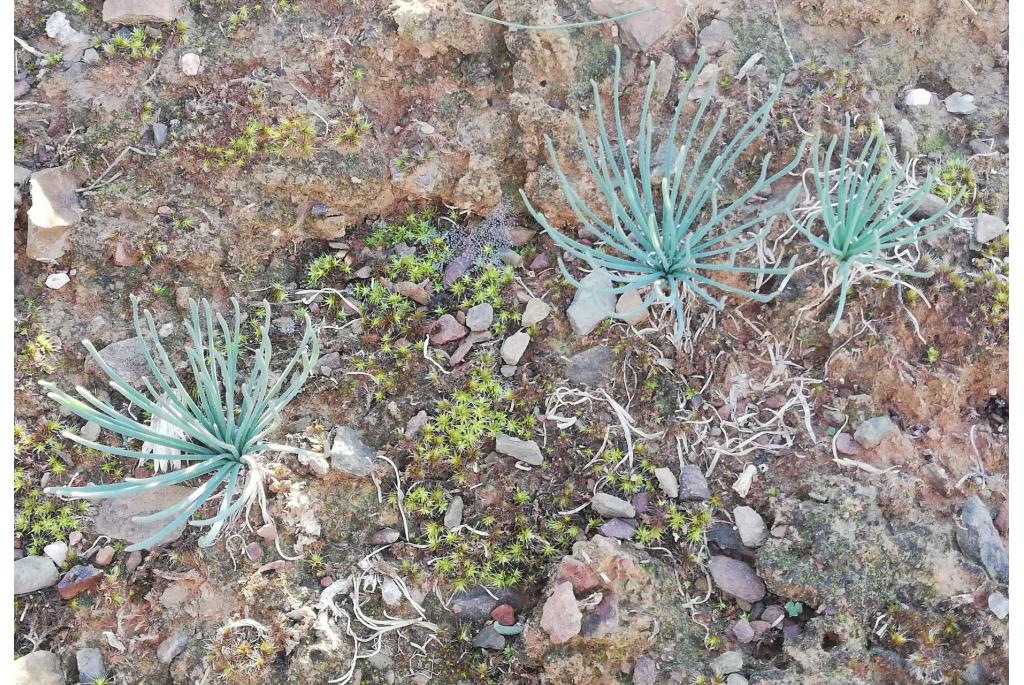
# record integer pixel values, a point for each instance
(866, 216)
(216, 433)
(667, 229)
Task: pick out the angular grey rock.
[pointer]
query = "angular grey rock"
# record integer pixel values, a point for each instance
(415, 424)
(727, 662)
(315, 463)
(477, 604)
(34, 573)
(561, 618)
(39, 668)
(918, 97)
(693, 486)
(488, 638)
(999, 605)
(90, 431)
(141, 11)
(928, 206)
(59, 28)
(594, 367)
(736, 679)
(21, 175)
(987, 228)
(960, 103)
(611, 506)
(872, 432)
(114, 516)
(743, 632)
(751, 526)
(907, 137)
(645, 671)
(90, 665)
(620, 529)
(172, 646)
(350, 454)
(159, 133)
(536, 311)
(90, 56)
(57, 552)
(126, 358)
(667, 481)
(981, 147)
(980, 540)
(480, 317)
(714, 37)
(54, 213)
(390, 592)
(593, 302)
(736, 578)
(514, 347)
(453, 517)
(527, 451)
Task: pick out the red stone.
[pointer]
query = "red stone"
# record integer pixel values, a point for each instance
(78, 580)
(581, 576)
(504, 614)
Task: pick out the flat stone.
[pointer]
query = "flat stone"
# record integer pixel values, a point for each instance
(90, 665)
(172, 646)
(41, 667)
(53, 214)
(536, 311)
(59, 28)
(980, 541)
(134, 561)
(642, 32)
(773, 614)
(126, 358)
(693, 486)
(189, 64)
(580, 574)
(78, 580)
(141, 11)
(350, 454)
(453, 517)
(90, 431)
(385, 536)
(561, 618)
(987, 228)
(714, 37)
(488, 638)
(743, 632)
(446, 330)
(611, 506)
(477, 604)
(514, 346)
(960, 103)
(928, 206)
(114, 516)
(725, 537)
(736, 578)
(390, 592)
(90, 56)
(414, 291)
(416, 424)
(630, 308)
(736, 679)
(645, 671)
(872, 432)
(104, 556)
(21, 175)
(480, 317)
(981, 147)
(845, 444)
(34, 573)
(727, 662)
(918, 97)
(594, 367)
(750, 526)
(999, 605)
(592, 303)
(667, 481)
(527, 451)
(620, 529)
(57, 552)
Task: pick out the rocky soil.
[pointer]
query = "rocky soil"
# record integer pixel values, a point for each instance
(509, 486)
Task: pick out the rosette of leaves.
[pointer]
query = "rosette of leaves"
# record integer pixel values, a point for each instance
(865, 217)
(668, 229)
(213, 435)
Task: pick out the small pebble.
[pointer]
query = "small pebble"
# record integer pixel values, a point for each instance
(104, 556)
